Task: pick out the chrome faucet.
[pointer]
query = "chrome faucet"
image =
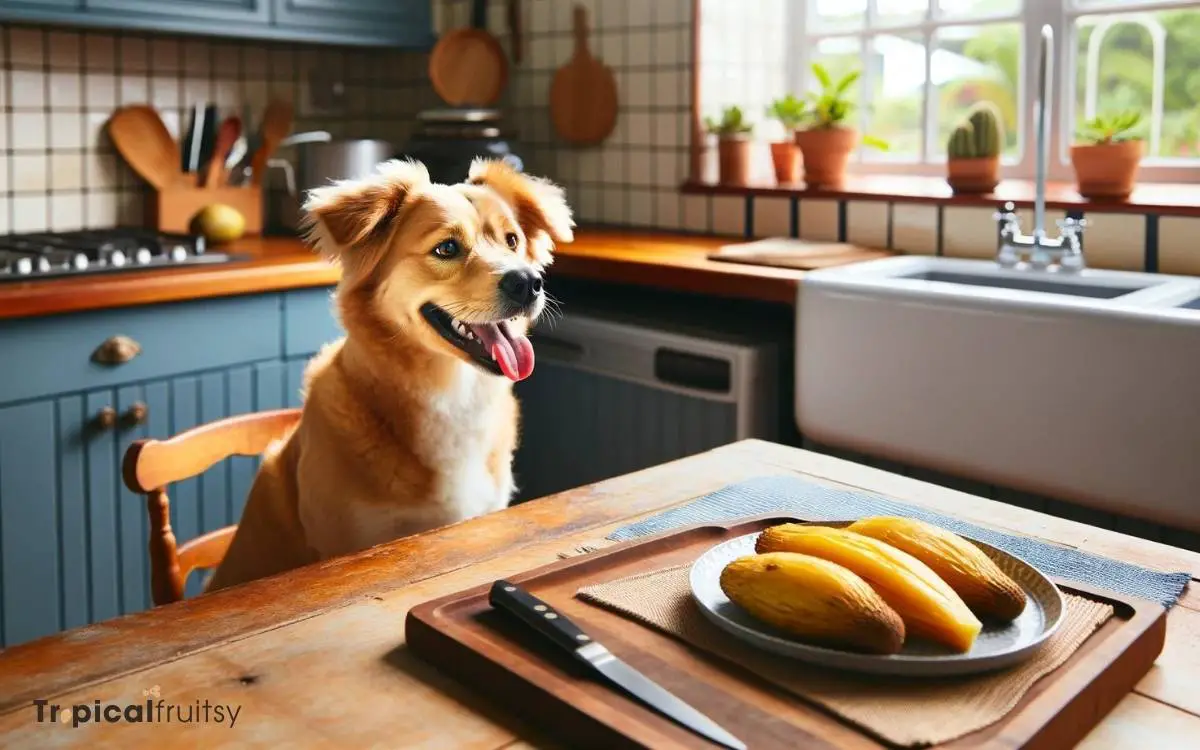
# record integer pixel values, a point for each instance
(1062, 253)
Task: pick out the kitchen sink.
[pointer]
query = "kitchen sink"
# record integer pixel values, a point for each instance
(1079, 386)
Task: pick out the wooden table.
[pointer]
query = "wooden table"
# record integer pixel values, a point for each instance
(316, 658)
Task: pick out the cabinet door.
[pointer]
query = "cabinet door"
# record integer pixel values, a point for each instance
(407, 22)
(202, 11)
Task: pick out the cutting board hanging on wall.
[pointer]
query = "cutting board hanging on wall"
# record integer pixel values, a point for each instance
(583, 95)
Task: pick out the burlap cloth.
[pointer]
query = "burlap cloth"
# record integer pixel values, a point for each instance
(905, 713)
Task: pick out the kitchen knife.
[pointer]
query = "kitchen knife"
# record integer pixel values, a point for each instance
(565, 634)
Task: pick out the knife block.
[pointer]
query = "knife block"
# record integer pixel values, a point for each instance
(173, 208)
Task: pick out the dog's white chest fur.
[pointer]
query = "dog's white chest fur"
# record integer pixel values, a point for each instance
(457, 433)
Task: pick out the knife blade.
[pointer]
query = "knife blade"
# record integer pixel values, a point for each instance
(565, 634)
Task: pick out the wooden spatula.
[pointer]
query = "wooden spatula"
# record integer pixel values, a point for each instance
(583, 96)
(145, 144)
(276, 124)
(227, 135)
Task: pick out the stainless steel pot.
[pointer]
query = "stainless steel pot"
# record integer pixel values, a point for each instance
(320, 160)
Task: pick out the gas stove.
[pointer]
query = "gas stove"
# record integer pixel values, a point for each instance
(24, 257)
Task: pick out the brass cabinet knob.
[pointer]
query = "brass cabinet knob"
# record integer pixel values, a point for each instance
(136, 414)
(116, 350)
(105, 419)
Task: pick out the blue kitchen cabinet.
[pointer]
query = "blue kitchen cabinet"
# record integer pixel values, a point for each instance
(72, 537)
(391, 23)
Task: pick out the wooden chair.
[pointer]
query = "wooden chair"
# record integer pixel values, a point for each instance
(151, 465)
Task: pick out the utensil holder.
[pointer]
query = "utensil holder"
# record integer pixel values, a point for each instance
(173, 208)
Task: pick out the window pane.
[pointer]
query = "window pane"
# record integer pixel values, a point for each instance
(835, 15)
(979, 8)
(897, 78)
(972, 64)
(900, 12)
(1125, 74)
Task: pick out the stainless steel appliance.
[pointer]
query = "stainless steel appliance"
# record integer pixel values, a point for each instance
(320, 160)
(56, 254)
(446, 141)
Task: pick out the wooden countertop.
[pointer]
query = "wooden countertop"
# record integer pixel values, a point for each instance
(674, 262)
(316, 657)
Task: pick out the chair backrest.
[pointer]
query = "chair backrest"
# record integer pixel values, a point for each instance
(150, 465)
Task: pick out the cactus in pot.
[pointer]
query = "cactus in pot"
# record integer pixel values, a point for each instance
(974, 150)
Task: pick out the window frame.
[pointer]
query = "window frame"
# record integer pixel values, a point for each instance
(1060, 15)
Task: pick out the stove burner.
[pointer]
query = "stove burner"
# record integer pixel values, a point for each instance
(56, 254)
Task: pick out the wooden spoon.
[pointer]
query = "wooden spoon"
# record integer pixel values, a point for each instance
(276, 124)
(583, 95)
(145, 144)
(227, 135)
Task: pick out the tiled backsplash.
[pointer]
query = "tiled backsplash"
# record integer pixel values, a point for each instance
(58, 88)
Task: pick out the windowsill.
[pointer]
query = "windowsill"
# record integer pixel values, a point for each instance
(1156, 198)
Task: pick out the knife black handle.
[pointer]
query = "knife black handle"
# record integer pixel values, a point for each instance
(538, 615)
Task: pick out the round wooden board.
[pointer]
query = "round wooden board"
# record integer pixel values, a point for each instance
(467, 66)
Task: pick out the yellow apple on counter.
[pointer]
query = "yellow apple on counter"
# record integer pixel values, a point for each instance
(219, 223)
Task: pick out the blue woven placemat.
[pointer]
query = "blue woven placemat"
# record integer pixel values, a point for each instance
(810, 501)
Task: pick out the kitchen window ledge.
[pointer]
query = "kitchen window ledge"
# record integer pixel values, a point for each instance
(1153, 198)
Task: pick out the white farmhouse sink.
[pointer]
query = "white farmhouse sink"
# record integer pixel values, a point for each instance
(1084, 387)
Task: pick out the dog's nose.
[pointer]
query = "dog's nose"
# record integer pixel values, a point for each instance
(521, 286)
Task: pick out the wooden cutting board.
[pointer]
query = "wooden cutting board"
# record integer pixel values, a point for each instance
(583, 94)
(463, 637)
(786, 252)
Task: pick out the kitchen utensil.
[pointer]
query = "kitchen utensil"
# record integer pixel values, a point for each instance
(145, 143)
(193, 144)
(237, 152)
(227, 135)
(319, 160)
(461, 636)
(208, 137)
(583, 95)
(514, 30)
(999, 645)
(446, 141)
(565, 634)
(276, 122)
(467, 66)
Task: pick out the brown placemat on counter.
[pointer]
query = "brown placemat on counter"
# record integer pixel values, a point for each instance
(904, 712)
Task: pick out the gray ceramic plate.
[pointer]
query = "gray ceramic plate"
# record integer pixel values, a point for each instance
(999, 645)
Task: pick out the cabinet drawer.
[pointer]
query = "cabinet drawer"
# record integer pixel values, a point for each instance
(51, 355)
(310, 321)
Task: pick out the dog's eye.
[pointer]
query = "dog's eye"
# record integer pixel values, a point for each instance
(447, 249)
(511, 239)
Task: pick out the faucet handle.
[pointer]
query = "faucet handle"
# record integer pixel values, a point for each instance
(1007, 214)
(1071, 227)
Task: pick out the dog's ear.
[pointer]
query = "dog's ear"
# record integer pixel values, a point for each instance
(342, 218)
(540, 205)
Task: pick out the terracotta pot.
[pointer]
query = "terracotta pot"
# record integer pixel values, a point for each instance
(980, 175)
(733, 160)
(826, 153)
(785, 156)
(1108, 170)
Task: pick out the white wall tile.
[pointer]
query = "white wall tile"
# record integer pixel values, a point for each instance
(615, 207)
(66, 171)
(30, 213)
(968, 232)
(66, 90)
(819, 219)
(915, 228)
(28, 131)
(66, 130)
(697, 211)
(772, 217)
(867, 223)
(668, 210)
(641, 207)
(729, 215)
(66, 211)
(27, 89)
(1178, 250)
(26, 47)
(1115, 241)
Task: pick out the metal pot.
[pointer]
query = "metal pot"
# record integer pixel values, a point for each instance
(321, 160)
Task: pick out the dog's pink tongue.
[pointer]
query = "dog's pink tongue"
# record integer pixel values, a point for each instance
(511, 350)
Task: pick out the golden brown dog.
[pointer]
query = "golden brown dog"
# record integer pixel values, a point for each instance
(409, 422)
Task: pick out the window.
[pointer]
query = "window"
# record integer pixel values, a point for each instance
(923, 63)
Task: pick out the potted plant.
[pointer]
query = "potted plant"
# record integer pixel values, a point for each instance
(785, 154)
(1107, 154)
(974, 148)
(827, 141)
(733, 133)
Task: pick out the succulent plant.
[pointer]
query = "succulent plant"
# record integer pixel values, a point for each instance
(789, 110)
(980, 134)
(1102, 129)
(733, 123)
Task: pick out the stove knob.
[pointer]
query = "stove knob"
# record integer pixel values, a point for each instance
(79, 262)
(179, 253)
(24, 266)
(116, 258)
(143, 255)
